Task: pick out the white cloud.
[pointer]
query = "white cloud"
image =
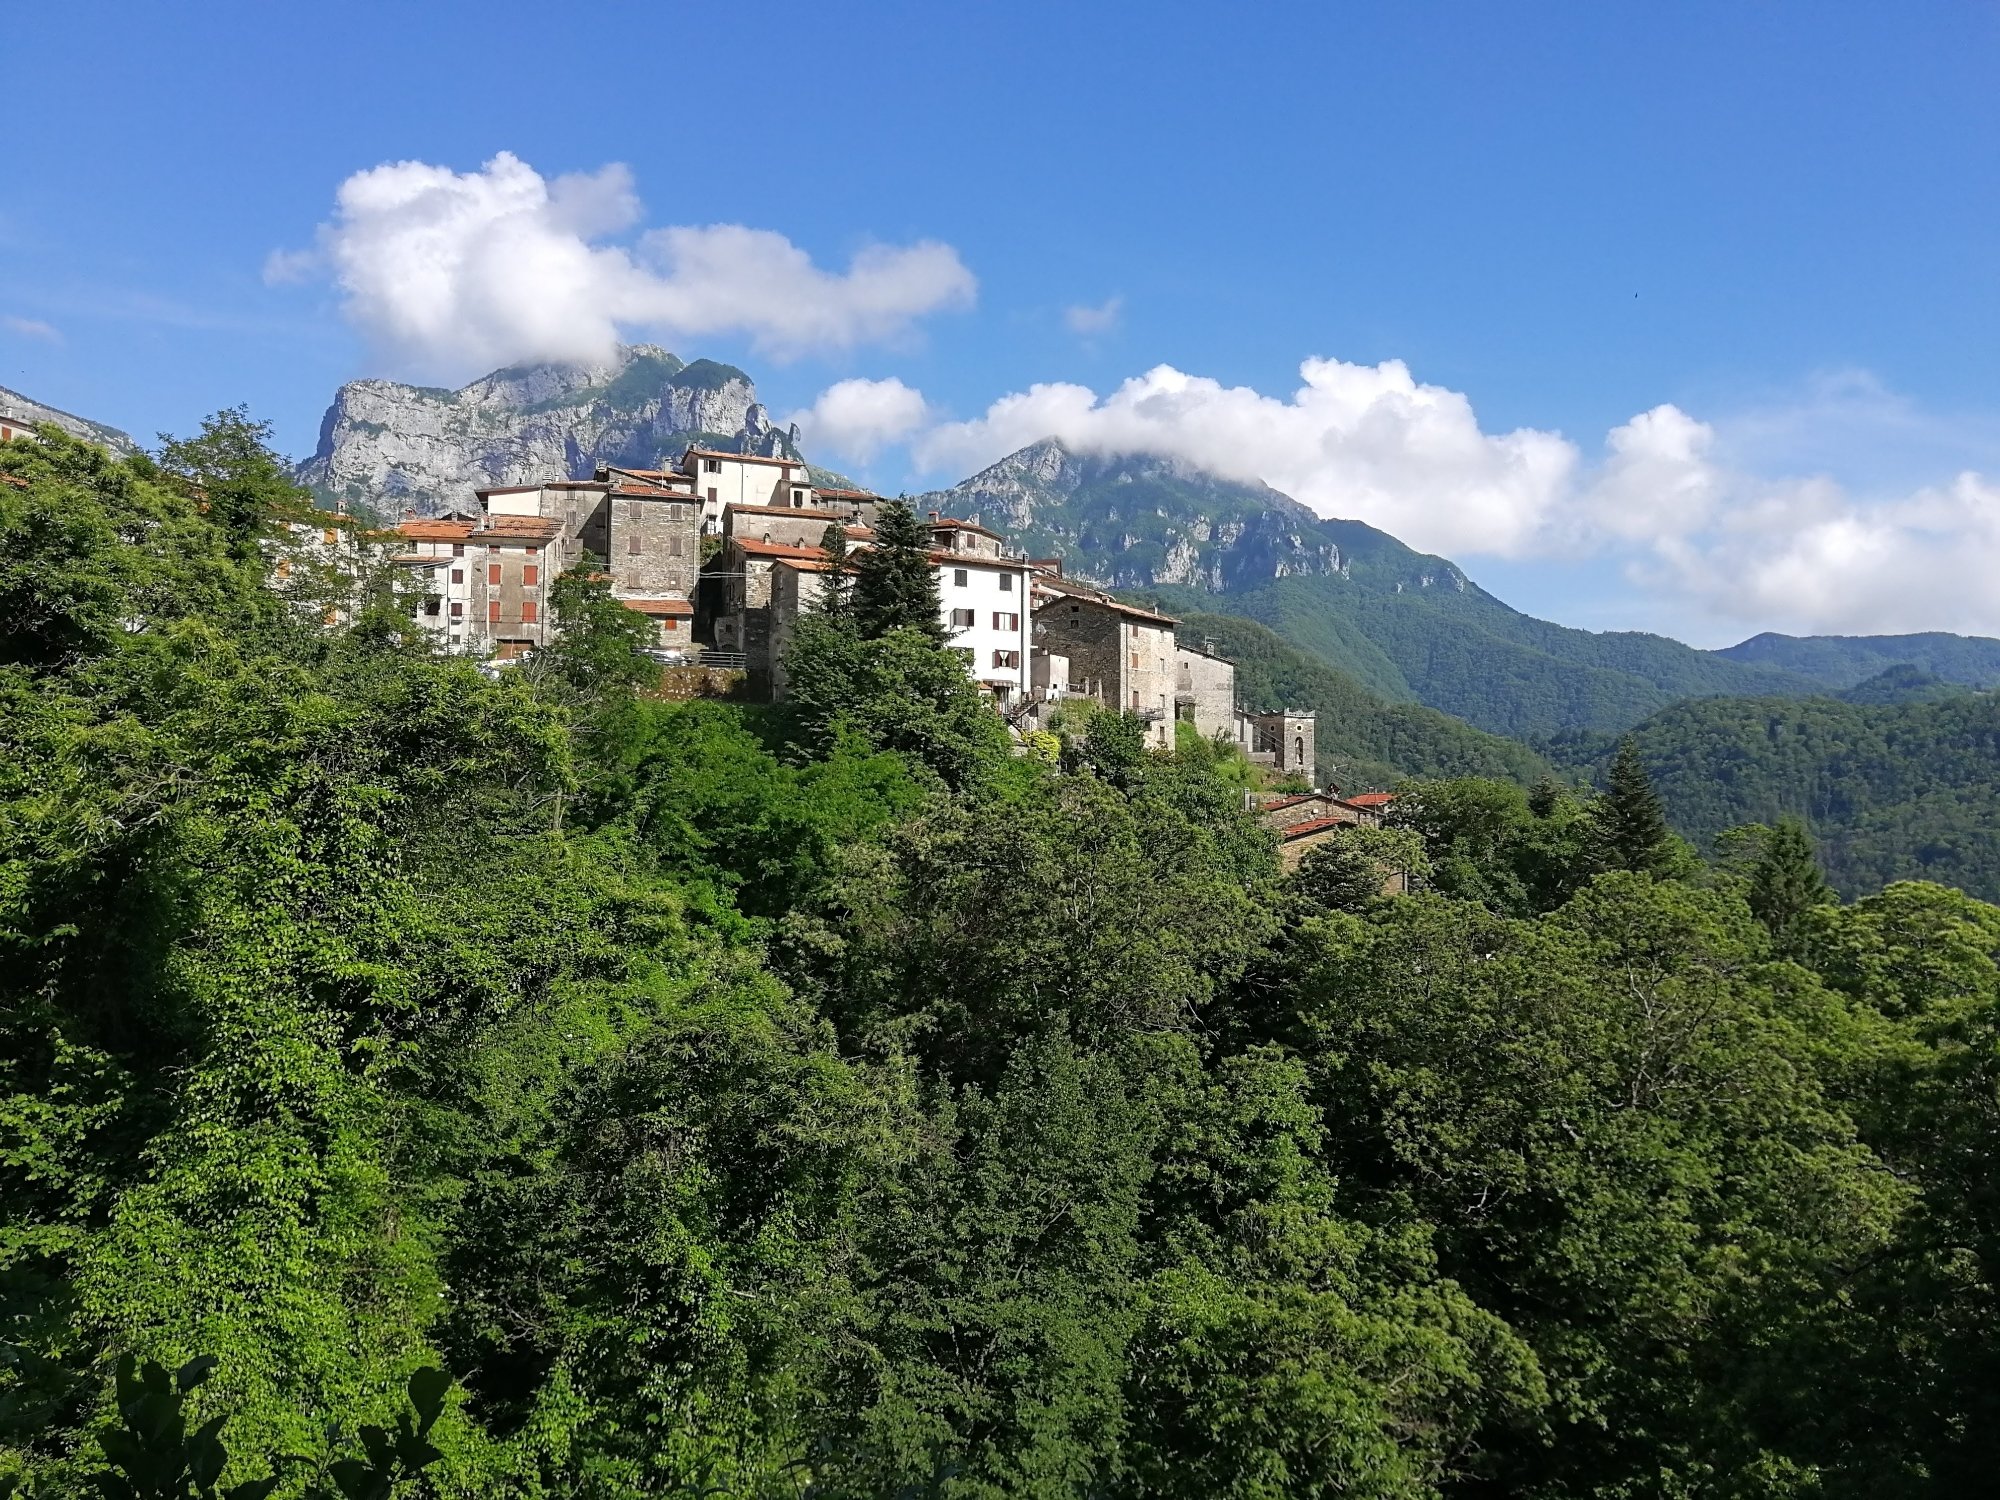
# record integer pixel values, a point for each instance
(1088, 322)
(33, 328)
(1669, 500)
(1363, 441)
(858, 418)
(459, 272)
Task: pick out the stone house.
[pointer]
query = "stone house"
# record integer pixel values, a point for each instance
(721, 479)
(1205, 690)
(1120, 654)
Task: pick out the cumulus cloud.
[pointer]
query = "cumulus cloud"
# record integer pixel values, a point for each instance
(1364, 441)
(857, 419)
(1669, 499)
(33, 328)
(1088, 322)
(461, 271)
(1802, 554)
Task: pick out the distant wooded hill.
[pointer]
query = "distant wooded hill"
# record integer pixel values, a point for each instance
(1891, 791)
(1407, 626)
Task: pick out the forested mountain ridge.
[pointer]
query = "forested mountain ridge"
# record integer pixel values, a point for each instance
(1900, 790)
(1845, 661)
(827, 1101)
(1407, 625)
(1363, 741)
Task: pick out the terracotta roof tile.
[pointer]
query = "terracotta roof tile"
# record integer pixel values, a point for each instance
(677, 608)
(1370, 799)
(1312, 825)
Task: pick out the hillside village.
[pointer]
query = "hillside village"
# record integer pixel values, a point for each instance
(722, 554)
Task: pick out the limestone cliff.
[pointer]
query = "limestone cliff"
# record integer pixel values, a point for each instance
(397, 448)
(21, 408)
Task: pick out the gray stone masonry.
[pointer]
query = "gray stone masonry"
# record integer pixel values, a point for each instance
(1121, 656)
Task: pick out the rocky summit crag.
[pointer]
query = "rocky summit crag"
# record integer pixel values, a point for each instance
(423, 450)
(26, 409)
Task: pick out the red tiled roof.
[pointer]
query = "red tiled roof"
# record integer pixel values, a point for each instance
(775, 549)
(650, 492)
(1370, 799)
(786, 510)
(1133, 610)
(946, 523)
(1294, 800)
(433, 530)
(517, 529)
(678, 608)
(845, 494)
(1312, 825)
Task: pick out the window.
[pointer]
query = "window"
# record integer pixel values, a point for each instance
(329, 536)
(634, 544)
(527, 611)
(1006, 583)
(961, 619)
(1004, 621)
(458, 575)
(530, 575)
(711, 494)
(493, 613)
(1008, 659)
(431, 605)
(711, 466)
(493, 573)
(958, 578)
(457, 610)
(1135, 698)
(670, 623)
(1135, 661)
(676, 546)
(458, 549)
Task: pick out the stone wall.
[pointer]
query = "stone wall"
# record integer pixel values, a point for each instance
(655, 547)
(1205, 691)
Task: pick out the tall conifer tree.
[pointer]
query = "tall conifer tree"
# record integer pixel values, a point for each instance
(895, 586)
(1786, 884)
(836, 598)
(1632, 831)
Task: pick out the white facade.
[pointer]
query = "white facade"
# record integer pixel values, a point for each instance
(725, 479)
(983, 601)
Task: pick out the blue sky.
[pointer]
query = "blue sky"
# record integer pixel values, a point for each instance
(1775, 224)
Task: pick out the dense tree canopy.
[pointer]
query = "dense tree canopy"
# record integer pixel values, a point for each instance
(822, 1099)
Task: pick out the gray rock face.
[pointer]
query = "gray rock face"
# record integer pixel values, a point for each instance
(34, 413)
(399, 449)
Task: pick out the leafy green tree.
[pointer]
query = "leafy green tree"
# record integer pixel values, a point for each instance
(1786, 885)
(599, 646)
(230, 470)
(895, 584)
(899, 692)
(1351, 871)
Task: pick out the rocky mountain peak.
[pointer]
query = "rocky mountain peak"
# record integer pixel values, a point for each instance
(424, 449)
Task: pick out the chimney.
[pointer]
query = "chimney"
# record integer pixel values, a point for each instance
(935, 518)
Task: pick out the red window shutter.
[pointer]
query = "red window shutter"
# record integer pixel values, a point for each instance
(530, 574)
(527, 612)
(493, 612)
(493, 572)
